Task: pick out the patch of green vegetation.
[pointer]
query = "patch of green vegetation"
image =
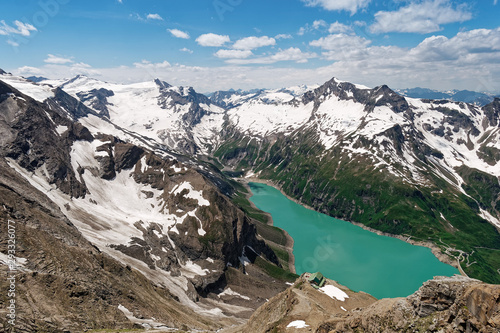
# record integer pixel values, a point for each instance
(488, 264)
(484, 188)
(275, 271)
(242, 202)
(282, 255)
(271, 233)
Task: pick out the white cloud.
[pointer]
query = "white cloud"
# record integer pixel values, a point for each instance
(283, 36)
(149, 65)
(154, 17)
(179, 34)
(341, 46)
(421, 17)
(495, 2)
(319, 24)
(250, 43)
(52, 59)
(29, 70)
(12, 43)
(233, 54)
(338, 27)
(349, 5)
(21, 28)
(213, 40)
(185, 49)
(468, 60)
(290, 54)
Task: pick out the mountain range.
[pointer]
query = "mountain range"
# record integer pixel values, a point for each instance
(138, 183)
(466, 96)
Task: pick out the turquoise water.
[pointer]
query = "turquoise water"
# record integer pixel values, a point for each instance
(359, 259)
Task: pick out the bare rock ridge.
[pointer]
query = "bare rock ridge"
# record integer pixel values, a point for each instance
(456, 304)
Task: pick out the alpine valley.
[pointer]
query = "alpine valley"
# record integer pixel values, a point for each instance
(129, 212)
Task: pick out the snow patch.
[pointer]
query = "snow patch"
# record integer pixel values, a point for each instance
(230, 292)
(334, 292)
(61, 129)
(490, 218)
(192, 194)
(38, 92)
(297, 324)
(146, 323)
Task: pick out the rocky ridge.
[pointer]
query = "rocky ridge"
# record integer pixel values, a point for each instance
(444, 304)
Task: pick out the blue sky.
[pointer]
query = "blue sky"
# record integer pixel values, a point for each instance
(222, 44)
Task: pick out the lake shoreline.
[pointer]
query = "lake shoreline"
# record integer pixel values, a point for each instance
(436, 251)
(289, 240)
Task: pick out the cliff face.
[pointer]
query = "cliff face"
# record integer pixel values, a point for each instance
(444, 304)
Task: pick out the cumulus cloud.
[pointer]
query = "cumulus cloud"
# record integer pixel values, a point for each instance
(337, 27)
(250, 43)
(20, 28)
(12, 43)
(421, 17)
(468, 60)
(185, 49)
(283, 36)
(154, 17)
(290, 54)
(323, 26)
(27, 70)
(52, 59)
(149, 65)
(349, 5)
(179, 34)
(319, 24)
(212, 40)
(341, 46)
(233, 54)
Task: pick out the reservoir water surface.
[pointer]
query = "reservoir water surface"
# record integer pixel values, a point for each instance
(359, 259)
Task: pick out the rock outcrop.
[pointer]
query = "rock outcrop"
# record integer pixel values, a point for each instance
(444, 304)
(456, 304)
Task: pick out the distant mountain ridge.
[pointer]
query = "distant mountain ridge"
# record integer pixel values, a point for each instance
(466, 96)
(36, 78)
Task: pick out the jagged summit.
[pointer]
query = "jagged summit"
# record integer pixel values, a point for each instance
(2, 72)
(162, 84)
(36, 79)
(467, 96)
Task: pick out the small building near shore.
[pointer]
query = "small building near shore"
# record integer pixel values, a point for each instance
(316, 279)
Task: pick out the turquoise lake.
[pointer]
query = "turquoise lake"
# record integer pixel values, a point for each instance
(356, 258)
